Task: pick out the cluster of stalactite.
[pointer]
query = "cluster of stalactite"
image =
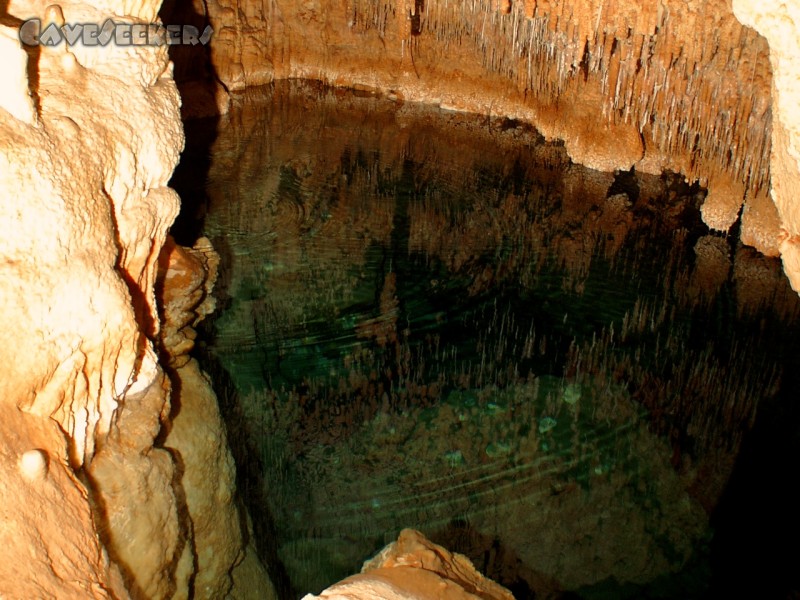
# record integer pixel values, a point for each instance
(675, 75)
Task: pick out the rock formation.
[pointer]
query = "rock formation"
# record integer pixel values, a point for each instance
(679, 86)
(413, 568)
(85, 211)
(779, 22)
(96, 503)
(195, 434)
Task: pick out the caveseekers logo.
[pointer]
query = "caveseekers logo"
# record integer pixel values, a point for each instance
(121, 34)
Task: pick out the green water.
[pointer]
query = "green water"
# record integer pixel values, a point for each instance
(436, 321)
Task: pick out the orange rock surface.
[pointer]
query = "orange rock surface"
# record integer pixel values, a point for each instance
(414, 568)
(680, 86)
(94, 504)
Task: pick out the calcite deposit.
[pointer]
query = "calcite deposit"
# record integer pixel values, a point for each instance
(779, 22)
(85, 210)
(414, 568)
(670, 85)
(195, 434)
(96, 502)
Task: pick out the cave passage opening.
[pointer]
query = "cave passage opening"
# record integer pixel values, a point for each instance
(435, 320)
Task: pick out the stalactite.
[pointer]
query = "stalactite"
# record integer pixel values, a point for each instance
(703, 100)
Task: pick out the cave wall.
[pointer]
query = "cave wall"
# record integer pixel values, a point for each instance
(680, 86)
(93, 427)
(779, 22)
(116, 480)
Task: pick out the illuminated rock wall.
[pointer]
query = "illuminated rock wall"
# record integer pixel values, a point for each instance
(679, 86)
(94, 504)
(779, 22)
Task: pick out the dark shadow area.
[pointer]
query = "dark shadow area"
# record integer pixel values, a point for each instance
(194, 72)
(32, 52)
(251, 484)
(198, 85)
(189, 179)
(755, 552)
(627, 183)
(495, 560)
(416, 17)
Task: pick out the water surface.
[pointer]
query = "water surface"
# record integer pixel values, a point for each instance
(435, 320)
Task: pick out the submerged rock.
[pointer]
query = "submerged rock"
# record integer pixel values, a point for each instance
(454, 458)
(572, 393)
(546, 424)
(496, 449)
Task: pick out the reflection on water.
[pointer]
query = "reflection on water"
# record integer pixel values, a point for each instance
(436, 321)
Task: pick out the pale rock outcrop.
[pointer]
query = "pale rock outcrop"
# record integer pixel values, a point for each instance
(48, 545)
(723, 203)
(779, 22)
(96, 212)
(414, 568)
(16, 98)
(85, 210)
(92, 507)
(134, 497)
(760, 221)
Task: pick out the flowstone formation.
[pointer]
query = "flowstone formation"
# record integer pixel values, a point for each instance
(85, 212)
(94, 504)
(670, 85)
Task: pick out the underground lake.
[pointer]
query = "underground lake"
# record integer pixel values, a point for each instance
(436, 320)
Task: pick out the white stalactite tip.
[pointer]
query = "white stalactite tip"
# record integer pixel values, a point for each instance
(68, 61)
(54, 14)
(33, 465)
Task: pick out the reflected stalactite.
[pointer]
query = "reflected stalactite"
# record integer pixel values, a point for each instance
(435, 317)
(678, 95)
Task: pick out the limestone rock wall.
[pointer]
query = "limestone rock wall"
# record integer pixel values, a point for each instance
(85, 209)
(779, 22)
(675, 85)
(94, 503)
(414, 568)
